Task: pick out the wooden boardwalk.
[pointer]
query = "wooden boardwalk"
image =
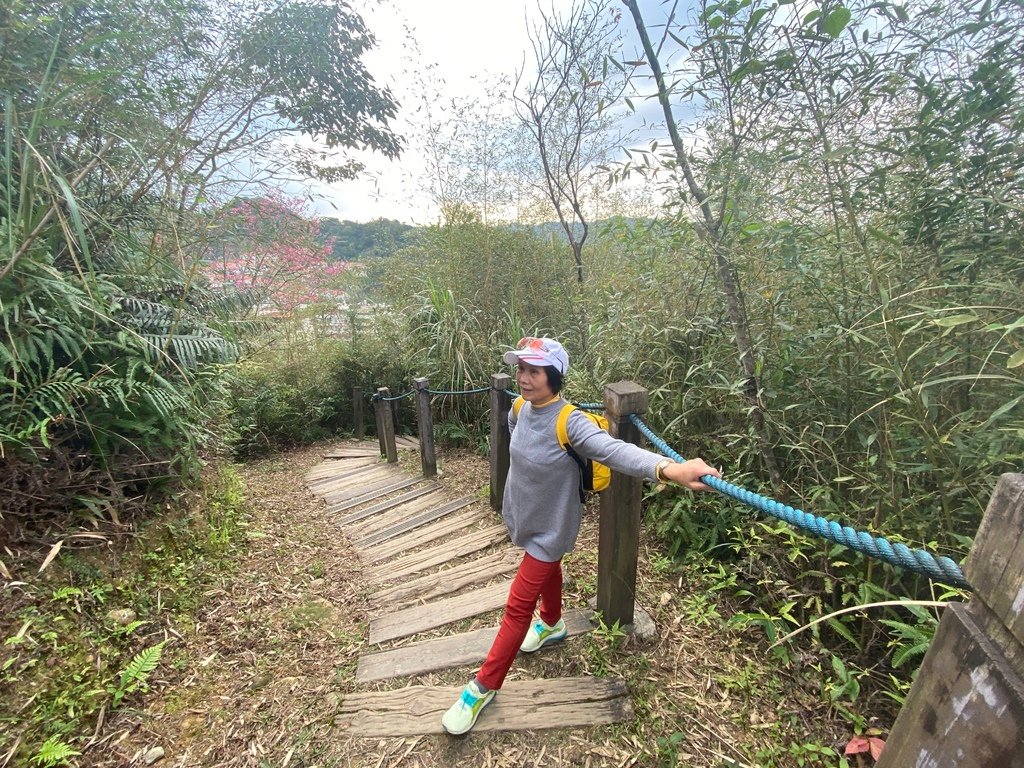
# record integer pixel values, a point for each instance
(434, 560)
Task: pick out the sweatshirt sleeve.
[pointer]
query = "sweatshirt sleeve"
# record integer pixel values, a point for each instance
(592, 442)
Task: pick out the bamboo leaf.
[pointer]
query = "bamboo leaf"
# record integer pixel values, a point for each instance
(954, 320)
(54, 551)
(836, 21)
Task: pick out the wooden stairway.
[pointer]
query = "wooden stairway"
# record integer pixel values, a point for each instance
(409, 535)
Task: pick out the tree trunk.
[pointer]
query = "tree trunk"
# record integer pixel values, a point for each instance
(726, 273)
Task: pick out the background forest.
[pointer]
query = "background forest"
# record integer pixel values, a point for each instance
(812, 258)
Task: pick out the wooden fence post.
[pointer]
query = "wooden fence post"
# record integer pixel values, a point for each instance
(425, 424)
(385, 425)
(619, 531)
(501, 404)
(378, 419)
(966, 707)
(357, 412)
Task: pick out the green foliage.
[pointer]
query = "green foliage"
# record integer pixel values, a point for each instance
(298, 390)
(53, 752)
(358, 241)
(121, 123)
(134, 677)
(63, 659)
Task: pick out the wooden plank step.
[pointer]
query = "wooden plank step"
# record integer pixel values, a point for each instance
(328, 468)
(362, 479)
(420, 618)
(355, 501)
(468, 649)
(358, 501)
(354, 452)
(441, 583)
(521, 705)
(434, 556)
(389, 504)
(371, 525)
(422, 536)
(407, 443)
(422, 518)
(357, 486)
(344, 472)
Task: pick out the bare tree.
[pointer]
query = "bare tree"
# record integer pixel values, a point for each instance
(565, 108)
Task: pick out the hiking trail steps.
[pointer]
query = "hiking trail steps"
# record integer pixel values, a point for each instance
(431, 560)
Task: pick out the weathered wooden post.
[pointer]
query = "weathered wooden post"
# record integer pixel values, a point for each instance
(385, 425)
(501, 404)
(425, 424)
(966, 707)
(395, 419)
(378, 419)
(619, 529)
(357, 412)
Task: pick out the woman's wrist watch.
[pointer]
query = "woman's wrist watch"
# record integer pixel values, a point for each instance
(659, 470)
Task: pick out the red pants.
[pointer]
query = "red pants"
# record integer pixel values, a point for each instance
(535, 580)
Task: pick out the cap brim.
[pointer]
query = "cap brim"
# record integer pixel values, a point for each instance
(513, 356)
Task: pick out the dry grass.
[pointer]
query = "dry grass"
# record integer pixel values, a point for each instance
(257, 679)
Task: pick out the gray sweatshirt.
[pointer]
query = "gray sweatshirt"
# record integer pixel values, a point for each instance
(541, 505)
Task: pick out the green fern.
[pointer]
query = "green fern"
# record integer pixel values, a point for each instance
(135, 676)
(53, 752)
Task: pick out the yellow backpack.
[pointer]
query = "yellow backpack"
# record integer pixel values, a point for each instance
(594, 476)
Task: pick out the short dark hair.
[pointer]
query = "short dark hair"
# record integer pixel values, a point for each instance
(554, 378)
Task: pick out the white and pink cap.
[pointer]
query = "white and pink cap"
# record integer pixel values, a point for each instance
(539, 352)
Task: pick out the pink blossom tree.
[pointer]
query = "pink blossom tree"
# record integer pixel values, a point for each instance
(271, 246)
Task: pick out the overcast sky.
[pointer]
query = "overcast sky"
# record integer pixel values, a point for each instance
(467, 43)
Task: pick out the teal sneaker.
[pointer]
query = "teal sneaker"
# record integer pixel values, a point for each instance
(462, 715)
(541, 634)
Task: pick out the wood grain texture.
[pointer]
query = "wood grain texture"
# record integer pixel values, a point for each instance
(422, 536)
(425, 559)
(519, 706)
(468, 649)
(450, 580)
(410, 621)
(382, 506)
(429, 515)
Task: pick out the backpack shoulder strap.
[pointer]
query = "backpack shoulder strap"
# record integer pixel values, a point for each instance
(517, 405)
(561, 426)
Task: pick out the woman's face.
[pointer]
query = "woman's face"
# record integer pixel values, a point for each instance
(533, 383)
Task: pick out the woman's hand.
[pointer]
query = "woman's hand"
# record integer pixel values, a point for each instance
(689, 473)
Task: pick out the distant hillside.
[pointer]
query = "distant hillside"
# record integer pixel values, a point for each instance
(360, 241)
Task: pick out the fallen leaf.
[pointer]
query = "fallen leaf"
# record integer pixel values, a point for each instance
(877, 745)
(54, 550)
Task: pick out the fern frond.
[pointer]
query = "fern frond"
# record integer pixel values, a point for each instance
(138, 668)
(53, 752)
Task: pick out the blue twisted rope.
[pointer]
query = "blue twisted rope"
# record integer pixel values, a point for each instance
(458, 391)
(939, 568)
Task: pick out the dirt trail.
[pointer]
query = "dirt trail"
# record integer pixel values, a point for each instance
(257, 679)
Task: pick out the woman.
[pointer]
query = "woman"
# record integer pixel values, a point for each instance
(542, 510)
